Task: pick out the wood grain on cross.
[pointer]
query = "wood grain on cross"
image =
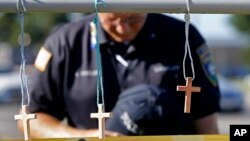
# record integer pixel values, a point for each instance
(101, 119)
(188, 91)
(25, 117)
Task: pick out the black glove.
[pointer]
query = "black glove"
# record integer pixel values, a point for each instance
(136, 110)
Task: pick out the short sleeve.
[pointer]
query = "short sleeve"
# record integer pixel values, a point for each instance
(47, 89)
(207, 101)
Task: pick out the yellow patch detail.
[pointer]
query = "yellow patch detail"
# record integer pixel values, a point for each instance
(42, 59)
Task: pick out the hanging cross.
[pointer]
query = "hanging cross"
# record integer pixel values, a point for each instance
(101, 119)
(188, 89)
(25, 117)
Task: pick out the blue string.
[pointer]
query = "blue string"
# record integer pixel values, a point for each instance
(23, 76)
(100, 93)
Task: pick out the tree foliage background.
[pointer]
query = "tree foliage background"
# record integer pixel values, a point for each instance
(242, 23)
(37, 25)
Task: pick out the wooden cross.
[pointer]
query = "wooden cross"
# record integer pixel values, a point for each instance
(25, 117)
(101, 119)
(188, 89)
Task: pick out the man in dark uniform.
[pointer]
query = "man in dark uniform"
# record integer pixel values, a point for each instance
(142, 56)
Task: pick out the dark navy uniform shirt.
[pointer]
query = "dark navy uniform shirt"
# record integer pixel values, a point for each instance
(67, 86)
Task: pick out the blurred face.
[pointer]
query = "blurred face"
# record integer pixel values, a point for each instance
(122, 26)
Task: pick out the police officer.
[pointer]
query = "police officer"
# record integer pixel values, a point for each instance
(142, 56)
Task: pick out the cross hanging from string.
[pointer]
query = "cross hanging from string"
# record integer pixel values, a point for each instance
(188, 91)
(100, 95)
(101, 115)
(25, 117)
(188, 88)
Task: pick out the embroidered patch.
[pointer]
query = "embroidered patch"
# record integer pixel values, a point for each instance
(42, 59)
(206, 59)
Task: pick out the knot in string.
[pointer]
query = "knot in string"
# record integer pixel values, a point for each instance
(187, 17)
(98, 2)
(187, 14)
(18, 3)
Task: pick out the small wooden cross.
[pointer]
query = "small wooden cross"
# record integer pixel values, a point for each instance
(188, 89)
(25, 117)
(101, 119)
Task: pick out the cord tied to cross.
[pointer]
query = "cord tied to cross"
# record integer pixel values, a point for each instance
(24, 115)
(101, 115)
(188, 88)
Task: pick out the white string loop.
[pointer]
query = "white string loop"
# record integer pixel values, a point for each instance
(187, 18)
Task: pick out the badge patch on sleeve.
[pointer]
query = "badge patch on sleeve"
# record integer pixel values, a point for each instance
(42, 59)
(207, 63)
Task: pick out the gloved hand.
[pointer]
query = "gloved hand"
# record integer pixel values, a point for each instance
(135, 110)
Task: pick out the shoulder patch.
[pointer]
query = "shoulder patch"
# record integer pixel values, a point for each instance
(206, 60)
(42, 59)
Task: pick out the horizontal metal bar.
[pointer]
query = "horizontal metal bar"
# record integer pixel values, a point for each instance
(149, 6)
